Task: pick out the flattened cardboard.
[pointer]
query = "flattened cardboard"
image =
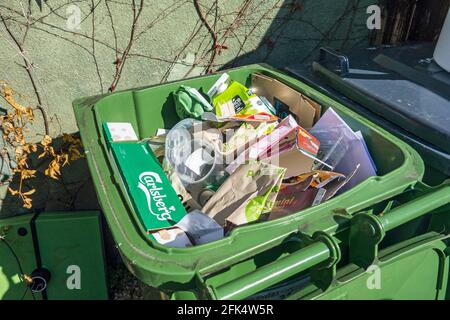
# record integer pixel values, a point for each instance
(356, 155)
(360, 137)
(287, 127)
(335, 137)
(347, 149)
(315, 105)
(306, 110)
(156, 202)
(121, 131)
(295, 162)
(307, 143)
(288, 146)
(336, 187)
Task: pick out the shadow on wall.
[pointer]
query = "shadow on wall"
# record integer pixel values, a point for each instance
(300, 28)
(73, 190)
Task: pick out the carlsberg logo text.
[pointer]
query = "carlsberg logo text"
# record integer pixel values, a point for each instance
(150, 183)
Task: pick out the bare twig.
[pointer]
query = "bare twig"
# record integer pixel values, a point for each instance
(28, 68)
(186, 43)
(218, 44)
(161, 16)
(349, 8)
(113, 27)
(94, 57)
(121, 62)
(210, 30)
(255, 26)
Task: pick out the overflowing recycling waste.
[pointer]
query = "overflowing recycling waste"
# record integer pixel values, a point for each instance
(238, 155)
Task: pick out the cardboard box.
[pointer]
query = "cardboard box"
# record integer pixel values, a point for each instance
(266, 145)
(156, 202)
(293, 160)
(120, 131)
(306, 111)
(288, 146)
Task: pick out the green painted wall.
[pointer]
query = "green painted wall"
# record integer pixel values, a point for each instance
(172, 39)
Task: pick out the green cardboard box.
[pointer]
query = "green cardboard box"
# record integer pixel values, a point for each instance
(148, 188)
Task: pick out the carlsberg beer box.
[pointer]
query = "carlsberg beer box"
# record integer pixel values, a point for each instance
(148, 188)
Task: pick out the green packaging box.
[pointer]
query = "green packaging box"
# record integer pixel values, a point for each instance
(151, 193)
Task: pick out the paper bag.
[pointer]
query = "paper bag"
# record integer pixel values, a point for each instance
(304, 191)
(246, 194)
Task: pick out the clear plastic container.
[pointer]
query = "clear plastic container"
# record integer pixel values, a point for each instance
(192, 150)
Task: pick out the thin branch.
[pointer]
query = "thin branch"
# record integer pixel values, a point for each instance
(121, 62)
(160, 17)
(210, 30)
(189, 40)
(255, 26)
(113, 27)
(217, 48)
(28, 68)
(333, 27)
(94, 57)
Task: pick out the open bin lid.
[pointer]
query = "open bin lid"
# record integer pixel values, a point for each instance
(401, 84)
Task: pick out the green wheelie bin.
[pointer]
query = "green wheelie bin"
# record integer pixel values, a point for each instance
(377, 222)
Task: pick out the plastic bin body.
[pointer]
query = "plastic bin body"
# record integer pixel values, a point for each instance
(411, 260)
(67, 244)
(414, 269)
(186, 270)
